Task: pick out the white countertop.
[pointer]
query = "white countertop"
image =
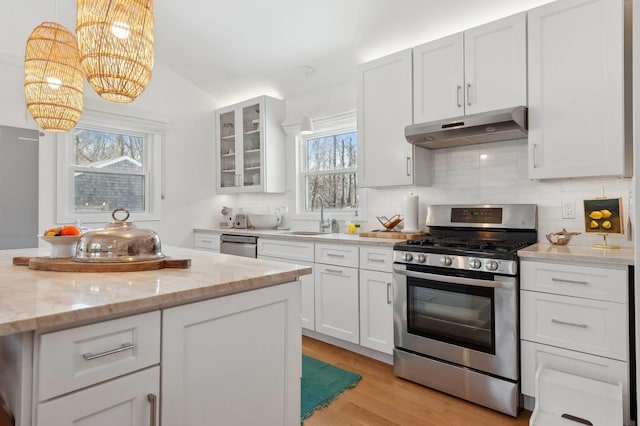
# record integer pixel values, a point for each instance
(577, 253)
(325, 238)
(33, 300)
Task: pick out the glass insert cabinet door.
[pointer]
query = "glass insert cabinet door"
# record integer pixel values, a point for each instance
(247, 161)
(251, 145)
(240, 145)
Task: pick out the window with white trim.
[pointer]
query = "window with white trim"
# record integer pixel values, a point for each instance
(328, 166)
(106, 163)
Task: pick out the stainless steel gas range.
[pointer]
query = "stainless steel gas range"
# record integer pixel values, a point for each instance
(456, 303)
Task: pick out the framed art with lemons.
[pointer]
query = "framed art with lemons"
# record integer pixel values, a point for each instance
(603, 216)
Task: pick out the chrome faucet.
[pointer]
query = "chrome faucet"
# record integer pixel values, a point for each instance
(323, 224)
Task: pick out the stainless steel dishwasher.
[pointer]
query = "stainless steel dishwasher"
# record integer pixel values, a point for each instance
(239, 245)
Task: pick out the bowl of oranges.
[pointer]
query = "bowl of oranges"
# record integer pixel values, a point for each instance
(63, 240)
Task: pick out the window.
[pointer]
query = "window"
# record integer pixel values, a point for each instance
(107, 163)
(328, 166)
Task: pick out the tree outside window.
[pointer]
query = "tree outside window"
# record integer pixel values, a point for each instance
(331, 170)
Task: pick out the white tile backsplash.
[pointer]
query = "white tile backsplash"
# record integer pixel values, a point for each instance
(492, 173)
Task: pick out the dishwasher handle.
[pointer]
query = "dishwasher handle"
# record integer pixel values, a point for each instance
(247, 239)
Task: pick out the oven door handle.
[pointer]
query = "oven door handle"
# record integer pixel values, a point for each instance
(453, 280)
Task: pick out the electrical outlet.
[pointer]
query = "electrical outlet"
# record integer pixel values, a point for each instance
(568, 209)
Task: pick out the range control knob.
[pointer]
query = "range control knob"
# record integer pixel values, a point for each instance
(421, 258)
(474, 264)
(408, 257)
(446, 260)
(492, 265)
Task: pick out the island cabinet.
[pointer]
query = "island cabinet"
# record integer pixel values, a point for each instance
(105, 373)
(478, 70)
(233, 360)
(230, 360)
(575, 319)
(250, 148)
(578, 124)
(385, 94)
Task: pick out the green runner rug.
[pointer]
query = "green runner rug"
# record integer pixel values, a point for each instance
(322, 383)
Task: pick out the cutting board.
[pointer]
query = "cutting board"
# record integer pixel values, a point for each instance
(392, 234)
(68, 265)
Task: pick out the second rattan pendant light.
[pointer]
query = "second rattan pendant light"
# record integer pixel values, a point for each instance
(115, 39)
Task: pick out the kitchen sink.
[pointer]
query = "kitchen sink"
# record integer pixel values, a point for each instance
(306, 233)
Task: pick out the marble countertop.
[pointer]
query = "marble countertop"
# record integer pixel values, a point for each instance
(324, 238)
(33, 300)
(576, 253)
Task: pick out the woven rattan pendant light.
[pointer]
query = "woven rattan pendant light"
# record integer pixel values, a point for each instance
(53, 85)
(115, 38)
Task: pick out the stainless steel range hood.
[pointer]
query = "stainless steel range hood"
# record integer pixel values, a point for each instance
(493, 126)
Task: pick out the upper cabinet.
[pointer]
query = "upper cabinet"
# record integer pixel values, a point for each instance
(479, 70)
(577, 90)
(250, 148)
(385, 93)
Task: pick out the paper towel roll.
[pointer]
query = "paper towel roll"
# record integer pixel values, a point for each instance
(411, 213)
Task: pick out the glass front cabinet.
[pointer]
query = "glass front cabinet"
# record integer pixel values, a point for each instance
(250, 146)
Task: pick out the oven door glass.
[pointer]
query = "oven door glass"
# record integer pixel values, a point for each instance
(452, 313)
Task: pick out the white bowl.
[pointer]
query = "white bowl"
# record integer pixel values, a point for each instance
(62, 246)
(263, 221)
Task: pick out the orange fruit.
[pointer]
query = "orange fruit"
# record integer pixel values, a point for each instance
(69, 230)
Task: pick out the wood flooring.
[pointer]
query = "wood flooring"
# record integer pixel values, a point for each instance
(381, 398)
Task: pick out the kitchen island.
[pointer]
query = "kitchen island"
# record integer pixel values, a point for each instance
(224, 336)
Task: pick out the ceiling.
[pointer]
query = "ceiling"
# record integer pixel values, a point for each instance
(235, 50)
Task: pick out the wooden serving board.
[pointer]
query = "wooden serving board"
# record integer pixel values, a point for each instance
(393, 234)
(68, 265)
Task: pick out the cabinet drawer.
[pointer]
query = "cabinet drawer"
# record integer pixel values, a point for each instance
(122, 401)
(575, 280)
(82, 356)
(376, 259)
(585, 325)
(334, 254)
(287, 250)
(207, 241)
(578, 363)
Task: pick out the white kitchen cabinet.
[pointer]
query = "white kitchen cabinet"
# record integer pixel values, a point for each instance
(575, 319)
(233, 360)
(250, 150)
(384, 109)
(577, 97)
(206, 241)
(376, 299)
(479, 70)
(336, 291)
(300, 253)
(102, 374)
(132, 400)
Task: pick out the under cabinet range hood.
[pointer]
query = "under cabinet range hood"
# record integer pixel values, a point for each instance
(492, 126)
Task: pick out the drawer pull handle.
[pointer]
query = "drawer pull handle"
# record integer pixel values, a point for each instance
(124, 347)
(562, 280)
(335, 255)
(376, 260)
(573, 324)
(334, 271)
(206, 241)
(152, 408)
